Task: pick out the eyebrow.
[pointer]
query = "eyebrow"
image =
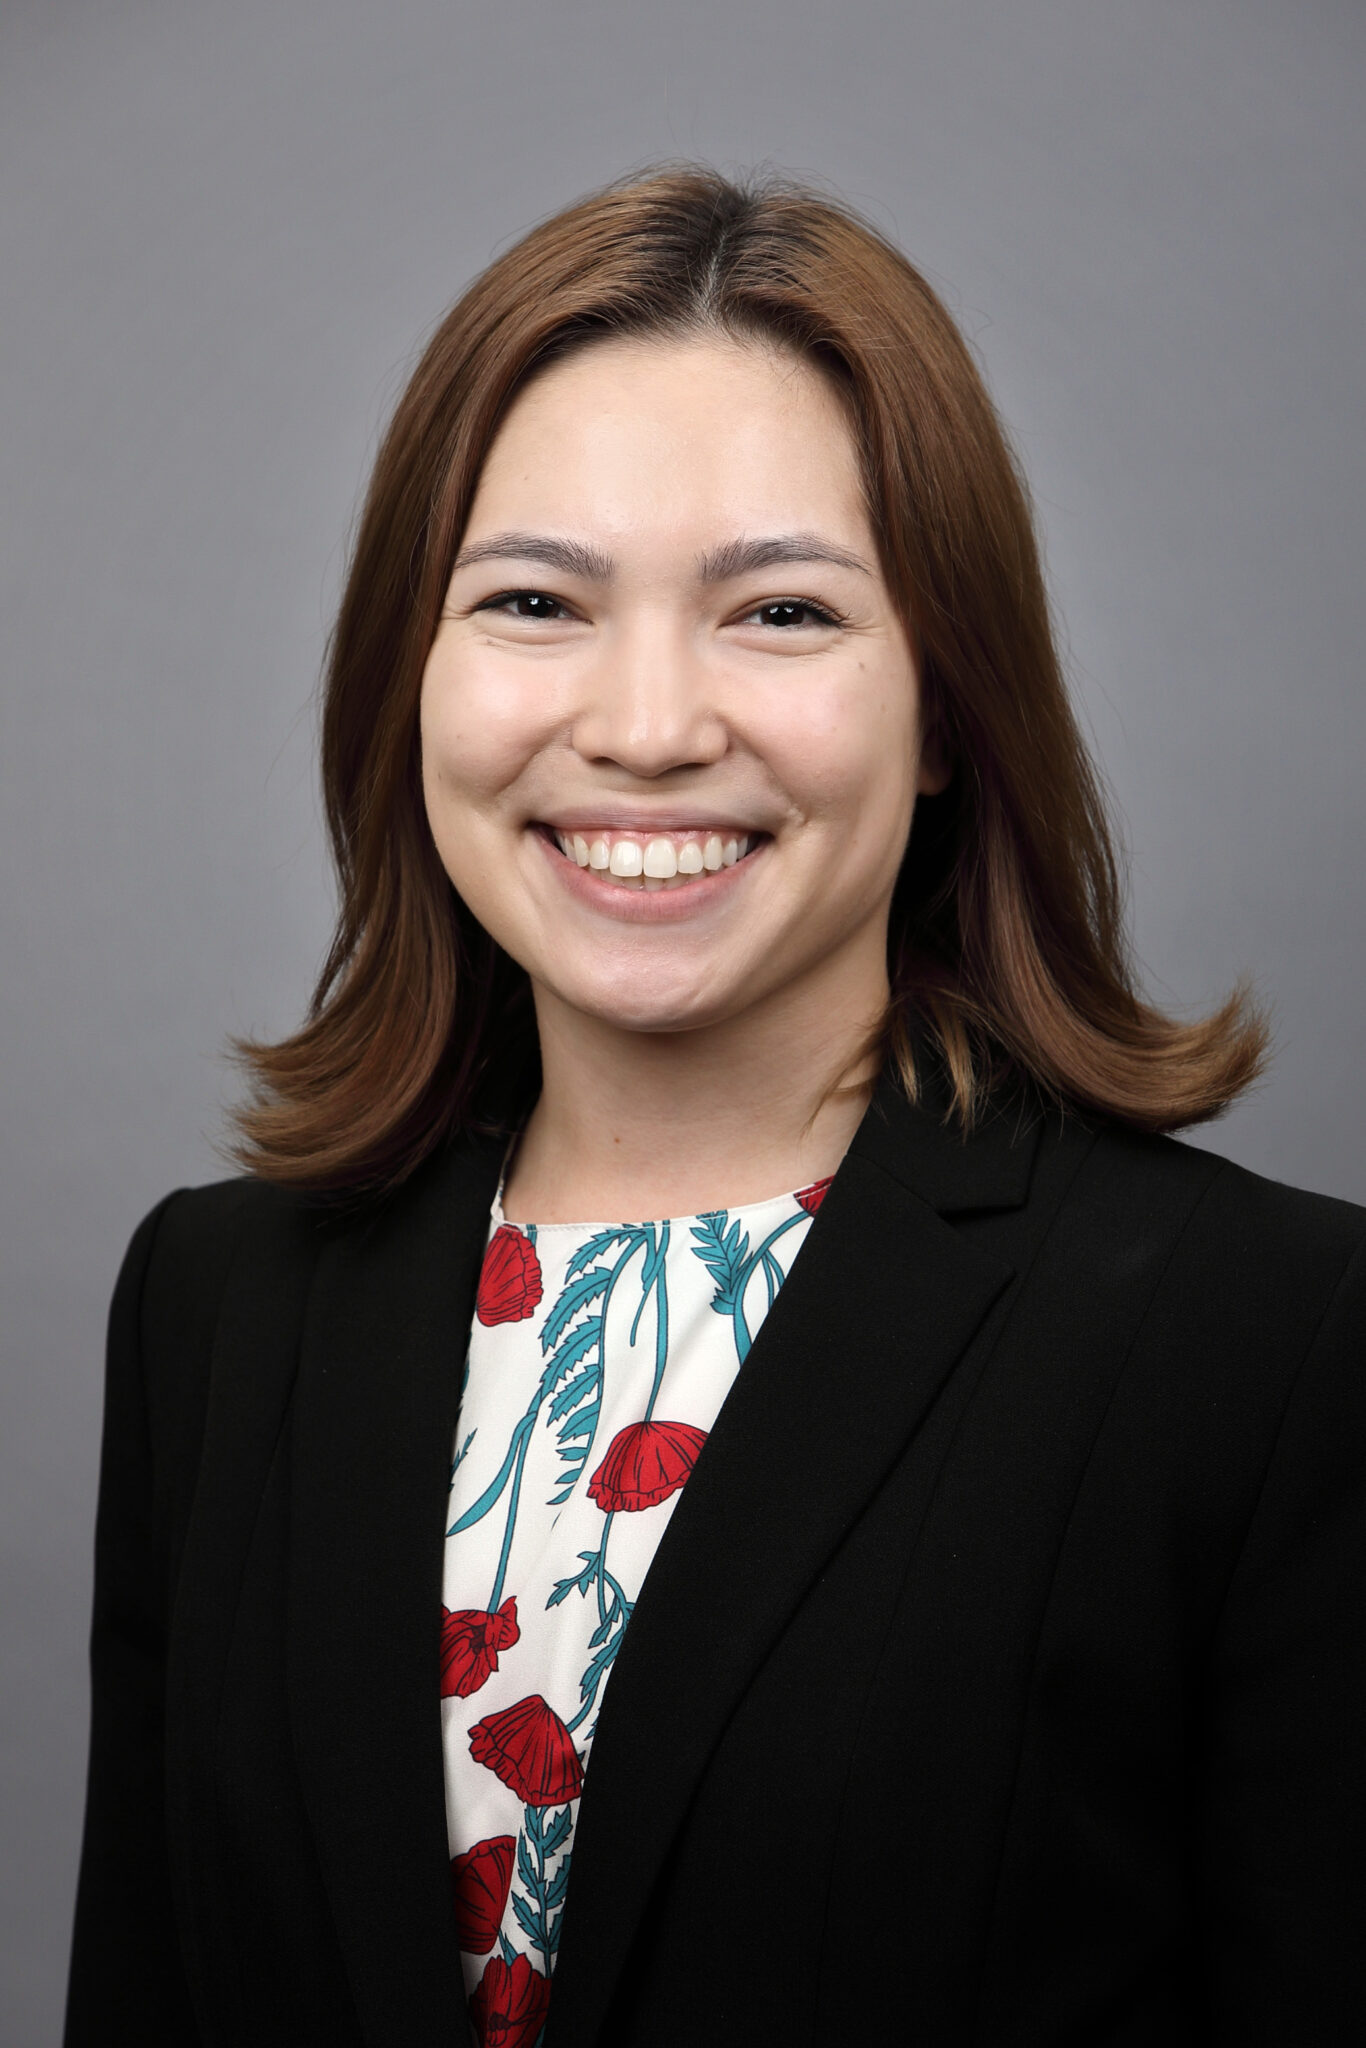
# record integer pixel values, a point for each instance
(742, 557)
(570, 557)
(734, 558)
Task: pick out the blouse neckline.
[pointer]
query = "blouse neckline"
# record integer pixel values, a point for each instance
(732, 1209)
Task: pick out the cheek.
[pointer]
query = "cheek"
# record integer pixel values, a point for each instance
(849, 753)
(476, 738)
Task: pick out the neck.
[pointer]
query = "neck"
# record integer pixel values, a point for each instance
(635, 1125)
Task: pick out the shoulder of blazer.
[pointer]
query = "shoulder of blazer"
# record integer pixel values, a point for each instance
(1252, 1300)
(1236, 1262)
(1307, 1239)
(220, 1278)
(197, 1249)
(1023, 1150)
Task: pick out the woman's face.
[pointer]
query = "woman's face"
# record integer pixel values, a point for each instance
(670, 721)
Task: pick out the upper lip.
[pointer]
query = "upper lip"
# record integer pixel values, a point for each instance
(613, 818)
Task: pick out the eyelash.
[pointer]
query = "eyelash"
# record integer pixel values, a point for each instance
(823, 615)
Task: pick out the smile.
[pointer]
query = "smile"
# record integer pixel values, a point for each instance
(657, 861)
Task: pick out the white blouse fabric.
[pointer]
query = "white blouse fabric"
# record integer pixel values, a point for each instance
(599, 1358)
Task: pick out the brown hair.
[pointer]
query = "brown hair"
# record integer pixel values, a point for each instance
(1006, 946)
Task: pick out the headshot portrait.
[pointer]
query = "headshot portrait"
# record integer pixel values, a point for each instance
(686, 1304)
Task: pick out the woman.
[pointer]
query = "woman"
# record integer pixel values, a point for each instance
(724, 1147)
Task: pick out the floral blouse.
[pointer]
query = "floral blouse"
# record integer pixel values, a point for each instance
(598, 1360)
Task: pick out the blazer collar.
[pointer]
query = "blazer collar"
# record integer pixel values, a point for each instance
(951, 1170)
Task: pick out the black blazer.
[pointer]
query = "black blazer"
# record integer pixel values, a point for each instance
(1034, 1711)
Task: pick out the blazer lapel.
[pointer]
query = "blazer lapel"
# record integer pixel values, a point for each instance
(880, 1305)
(374, 1421)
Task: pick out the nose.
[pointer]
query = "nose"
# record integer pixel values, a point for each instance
(648, 706)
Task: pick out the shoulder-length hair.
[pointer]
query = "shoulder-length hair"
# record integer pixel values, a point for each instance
(1006, 946)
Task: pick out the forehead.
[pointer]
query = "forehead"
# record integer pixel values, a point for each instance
(701, 435)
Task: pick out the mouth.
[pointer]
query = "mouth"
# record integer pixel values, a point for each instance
(654, 862)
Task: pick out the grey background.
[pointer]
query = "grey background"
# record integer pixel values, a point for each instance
(223, 230)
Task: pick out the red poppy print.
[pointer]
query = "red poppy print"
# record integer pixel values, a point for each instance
(510, 1278)
(510, 2004)
(812, 1197)
(645, 1463)
(470, 1644)
(482, 1878)
(531, 1750)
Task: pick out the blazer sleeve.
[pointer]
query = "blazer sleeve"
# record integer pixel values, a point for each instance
(127, 1981)
(1284, 1836)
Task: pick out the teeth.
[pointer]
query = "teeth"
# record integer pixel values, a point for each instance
(660, 862)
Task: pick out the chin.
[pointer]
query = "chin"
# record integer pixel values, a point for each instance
(637, 1006)
(651, 1019)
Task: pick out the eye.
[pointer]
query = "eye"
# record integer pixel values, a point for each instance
(526, 604)
(788, 612)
